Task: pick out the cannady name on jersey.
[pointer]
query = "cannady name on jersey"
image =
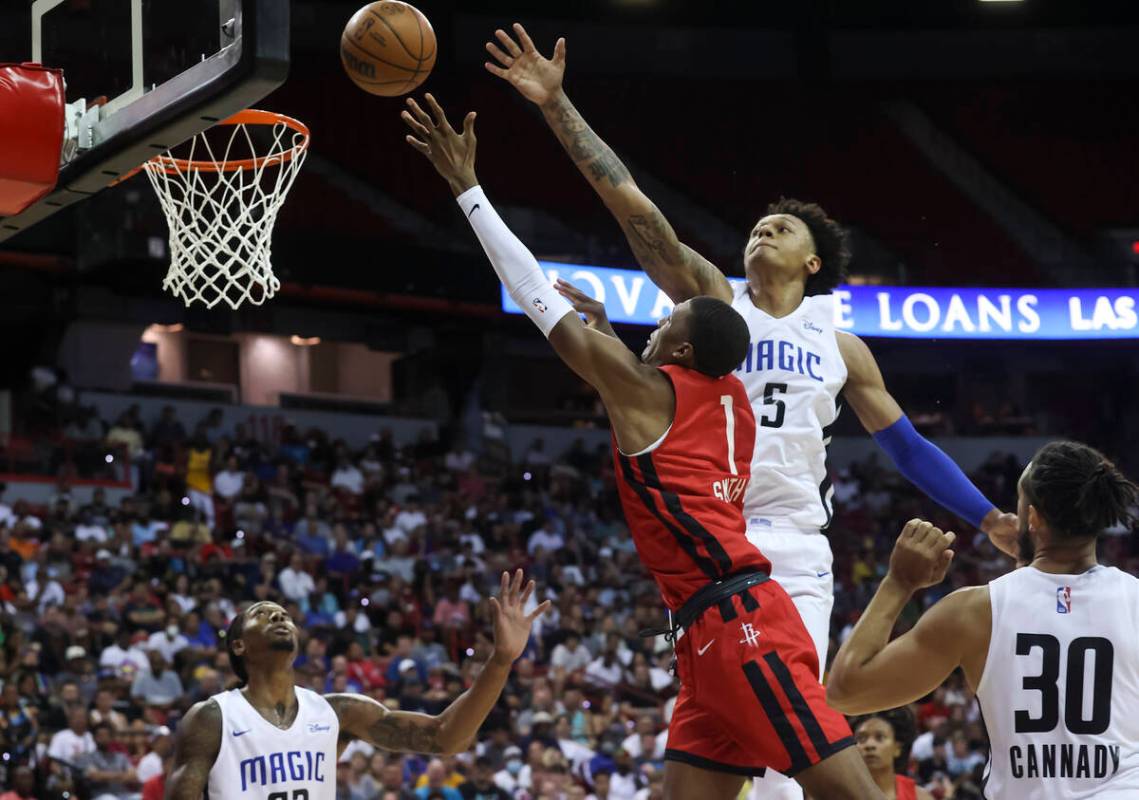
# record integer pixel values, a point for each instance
(293, 765)
(729, 489)
(770, 354)
(1063, 760)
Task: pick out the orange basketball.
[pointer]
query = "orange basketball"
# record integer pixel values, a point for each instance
(388, 48)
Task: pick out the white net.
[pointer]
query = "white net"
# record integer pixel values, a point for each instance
(221, 203)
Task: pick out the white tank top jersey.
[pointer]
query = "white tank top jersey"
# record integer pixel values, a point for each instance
(259, 761)
(793, 373)
(1060, 690)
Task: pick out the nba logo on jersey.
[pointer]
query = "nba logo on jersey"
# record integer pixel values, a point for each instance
(1064, 600)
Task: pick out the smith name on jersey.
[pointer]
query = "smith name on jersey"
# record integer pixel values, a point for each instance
(793, 373)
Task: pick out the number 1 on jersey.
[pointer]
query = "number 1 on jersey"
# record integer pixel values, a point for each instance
(730, 417)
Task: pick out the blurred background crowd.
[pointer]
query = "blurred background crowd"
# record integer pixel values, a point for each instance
(113, 615)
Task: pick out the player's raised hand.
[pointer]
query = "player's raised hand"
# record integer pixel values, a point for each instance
(450, 152)
(592, 310)
(538, 78)
(511, 622)
(921, 555)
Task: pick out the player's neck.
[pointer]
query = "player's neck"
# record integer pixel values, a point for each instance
(885, 781)
(773, 297)
(1072, 558)
(272, 692)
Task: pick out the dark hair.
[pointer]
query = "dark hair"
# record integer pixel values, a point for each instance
(1077, 490)
(901, 720)
(832, 242)
(718, 334)
(232, 634)
(102, 725)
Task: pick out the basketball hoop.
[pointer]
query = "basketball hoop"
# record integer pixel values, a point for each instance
(221, 203)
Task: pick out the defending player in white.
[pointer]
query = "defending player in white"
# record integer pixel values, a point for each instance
(1051, 649)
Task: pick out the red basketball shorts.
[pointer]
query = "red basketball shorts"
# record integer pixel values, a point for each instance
(750, 697)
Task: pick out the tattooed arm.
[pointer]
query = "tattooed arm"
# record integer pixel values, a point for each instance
(195, 751)
(453, 730)
(674, 266)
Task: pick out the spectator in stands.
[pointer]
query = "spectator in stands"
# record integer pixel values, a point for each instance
(168, 641)
(154, 762)
(105, 711)
(73, 742)
(124, 656)
(158, 686)
(347, 477)
(108, 772)
(19, 728)
(199, 484)
(228, 482)
(436, 782)
(23, 785)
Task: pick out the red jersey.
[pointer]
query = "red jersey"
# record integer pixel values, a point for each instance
(683, 498)
(905, 788)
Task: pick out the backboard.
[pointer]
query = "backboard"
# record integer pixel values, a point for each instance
(167, 70)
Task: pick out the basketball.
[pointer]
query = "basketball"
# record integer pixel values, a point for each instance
(388, 48)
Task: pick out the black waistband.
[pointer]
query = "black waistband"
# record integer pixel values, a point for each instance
(706, 597)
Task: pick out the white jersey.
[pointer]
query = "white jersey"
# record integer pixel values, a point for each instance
(259, 761)
(1060, 690)
(793, 373)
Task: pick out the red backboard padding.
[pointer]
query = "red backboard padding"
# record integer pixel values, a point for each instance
(31, 134)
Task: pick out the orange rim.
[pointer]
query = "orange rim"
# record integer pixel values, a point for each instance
(251, 116)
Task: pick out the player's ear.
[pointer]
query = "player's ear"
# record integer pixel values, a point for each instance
(813, 264)
(684, 354)
(1035, 521)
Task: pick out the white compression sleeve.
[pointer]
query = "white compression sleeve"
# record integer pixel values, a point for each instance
(515, 264)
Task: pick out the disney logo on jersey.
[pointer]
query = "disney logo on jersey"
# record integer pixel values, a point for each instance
(810, 326)
(316, 727)
(730, 490)
(1064, 600)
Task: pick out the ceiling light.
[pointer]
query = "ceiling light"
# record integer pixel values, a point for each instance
(301, 341)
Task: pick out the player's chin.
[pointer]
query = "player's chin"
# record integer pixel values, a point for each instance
(284, 644)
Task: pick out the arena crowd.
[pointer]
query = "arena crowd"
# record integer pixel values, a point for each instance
(113, 615)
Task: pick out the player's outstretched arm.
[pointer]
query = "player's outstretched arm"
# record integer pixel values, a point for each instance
(453, 730)
(923, 463)
(195, 751)
(637, 396)
(871, 673)
(674, 266)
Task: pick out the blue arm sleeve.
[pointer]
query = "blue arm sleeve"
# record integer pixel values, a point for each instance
(932, 471)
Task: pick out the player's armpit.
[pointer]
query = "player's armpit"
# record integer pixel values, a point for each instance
(401, 731)
(865, 390)
(195, 751)
(952, 633)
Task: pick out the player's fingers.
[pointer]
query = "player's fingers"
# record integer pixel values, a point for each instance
(415, 125)
(909, 529)
(560, 51)
(539, 611)
(508, 43)
(469, 124)
(949, 538)
(422, 147)
(437, 110)
(569, 290)
(493, 70)
(524, 38)
(494, 50)
(529, 590)
(516, 586)
(419, 113)
(495, 608)
(504, 585)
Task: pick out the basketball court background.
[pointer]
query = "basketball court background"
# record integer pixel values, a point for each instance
(969, 146)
